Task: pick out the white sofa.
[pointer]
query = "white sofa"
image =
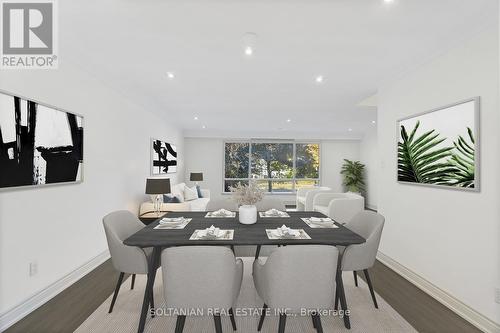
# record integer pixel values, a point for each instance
(305, 197)
(341, 207)
(196, 205)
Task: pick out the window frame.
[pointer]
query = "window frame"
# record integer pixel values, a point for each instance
(294, 179)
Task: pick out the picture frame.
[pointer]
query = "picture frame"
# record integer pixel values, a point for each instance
(448, 153)
(40, 144)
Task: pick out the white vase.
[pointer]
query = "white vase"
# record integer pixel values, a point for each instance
(248, 214)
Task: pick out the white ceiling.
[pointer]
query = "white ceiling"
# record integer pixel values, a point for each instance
(355, 44)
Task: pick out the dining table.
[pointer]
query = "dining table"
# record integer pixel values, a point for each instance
(244, 234)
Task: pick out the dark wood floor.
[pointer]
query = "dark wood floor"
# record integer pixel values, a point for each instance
(65, 312)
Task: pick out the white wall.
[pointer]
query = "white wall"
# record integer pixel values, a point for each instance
(206, 155)
(60, 226)
(449, 237)
(368, 151)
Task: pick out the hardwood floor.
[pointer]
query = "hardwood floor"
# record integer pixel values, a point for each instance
(422, 311)
(65, 312)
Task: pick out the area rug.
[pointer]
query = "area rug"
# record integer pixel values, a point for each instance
(125, 317)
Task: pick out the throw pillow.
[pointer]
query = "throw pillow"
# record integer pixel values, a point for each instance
(198, 189)
(190, 193)
(178, 191)
(169, 198)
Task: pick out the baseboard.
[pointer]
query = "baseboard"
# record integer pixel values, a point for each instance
(12, 316)
(463, 310)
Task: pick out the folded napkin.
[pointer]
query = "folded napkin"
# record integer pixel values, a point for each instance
(273, 212)
(172, 220)
(222, 212)
(286, 231)
(320, 219)
(212, 231)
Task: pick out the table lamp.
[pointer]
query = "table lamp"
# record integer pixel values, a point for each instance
(158, 187)
(196, 177)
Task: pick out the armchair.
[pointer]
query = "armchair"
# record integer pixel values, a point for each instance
(305, 197)
(341, 207)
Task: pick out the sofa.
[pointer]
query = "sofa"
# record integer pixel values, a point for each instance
(305, 197)
(341, 207)
(195, 205)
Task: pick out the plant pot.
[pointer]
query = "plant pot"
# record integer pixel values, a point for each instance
(248, 214)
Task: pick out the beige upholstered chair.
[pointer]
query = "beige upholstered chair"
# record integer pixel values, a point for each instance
(341, 207)
(201, 277)
(270, 203)
(305, 197)
(295, 278)
(118, 226)
(217, 204)
(361, 257)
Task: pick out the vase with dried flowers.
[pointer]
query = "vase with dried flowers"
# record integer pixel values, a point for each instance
(247, 196)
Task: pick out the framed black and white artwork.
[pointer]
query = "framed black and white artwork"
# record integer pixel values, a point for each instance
(39, 144)
(163, 157)
(440, 147)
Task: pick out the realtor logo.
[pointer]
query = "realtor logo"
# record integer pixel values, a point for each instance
(28, 34)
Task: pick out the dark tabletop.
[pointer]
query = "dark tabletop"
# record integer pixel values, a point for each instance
(254, 234)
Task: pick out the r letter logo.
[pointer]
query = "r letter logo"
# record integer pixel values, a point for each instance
(28, 34)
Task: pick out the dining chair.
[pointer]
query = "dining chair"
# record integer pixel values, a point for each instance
(361, 257)
(222, 204)
(297, 278)
(118, 226)
(270, 203)
(204, 278)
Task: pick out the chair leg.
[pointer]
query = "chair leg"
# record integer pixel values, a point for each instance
(317, 323)
(262, 317)
(117, 289)
(355, 278)
(132, 283)
(314, 320)
(281, 328)
(369, 281)
(233, 322)
(336, 300)
(218, 323)
(152, 305)
(179, 324)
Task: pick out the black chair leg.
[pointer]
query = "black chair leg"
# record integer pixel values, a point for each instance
(355, 278)
(257, 252)
(336, 300)
(179, 324)
(314, 320)
(369, 281)
(281, 328)
(218, 323)
(233, 322)
(262, 317)
(318, 326)
(117, 289)
(152, 305)
(132, 283)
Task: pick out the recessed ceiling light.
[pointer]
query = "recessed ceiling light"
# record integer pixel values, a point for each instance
(350, 129)
(170, 75)
(288, 120)
(319, 79)
(203, 126)
(374, 122)
(195, 117)
(248, 51)
(388, 1)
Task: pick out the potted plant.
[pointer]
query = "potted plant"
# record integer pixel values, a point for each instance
(247, 196)
(353, 176)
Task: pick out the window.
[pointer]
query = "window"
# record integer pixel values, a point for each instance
(278, 167)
